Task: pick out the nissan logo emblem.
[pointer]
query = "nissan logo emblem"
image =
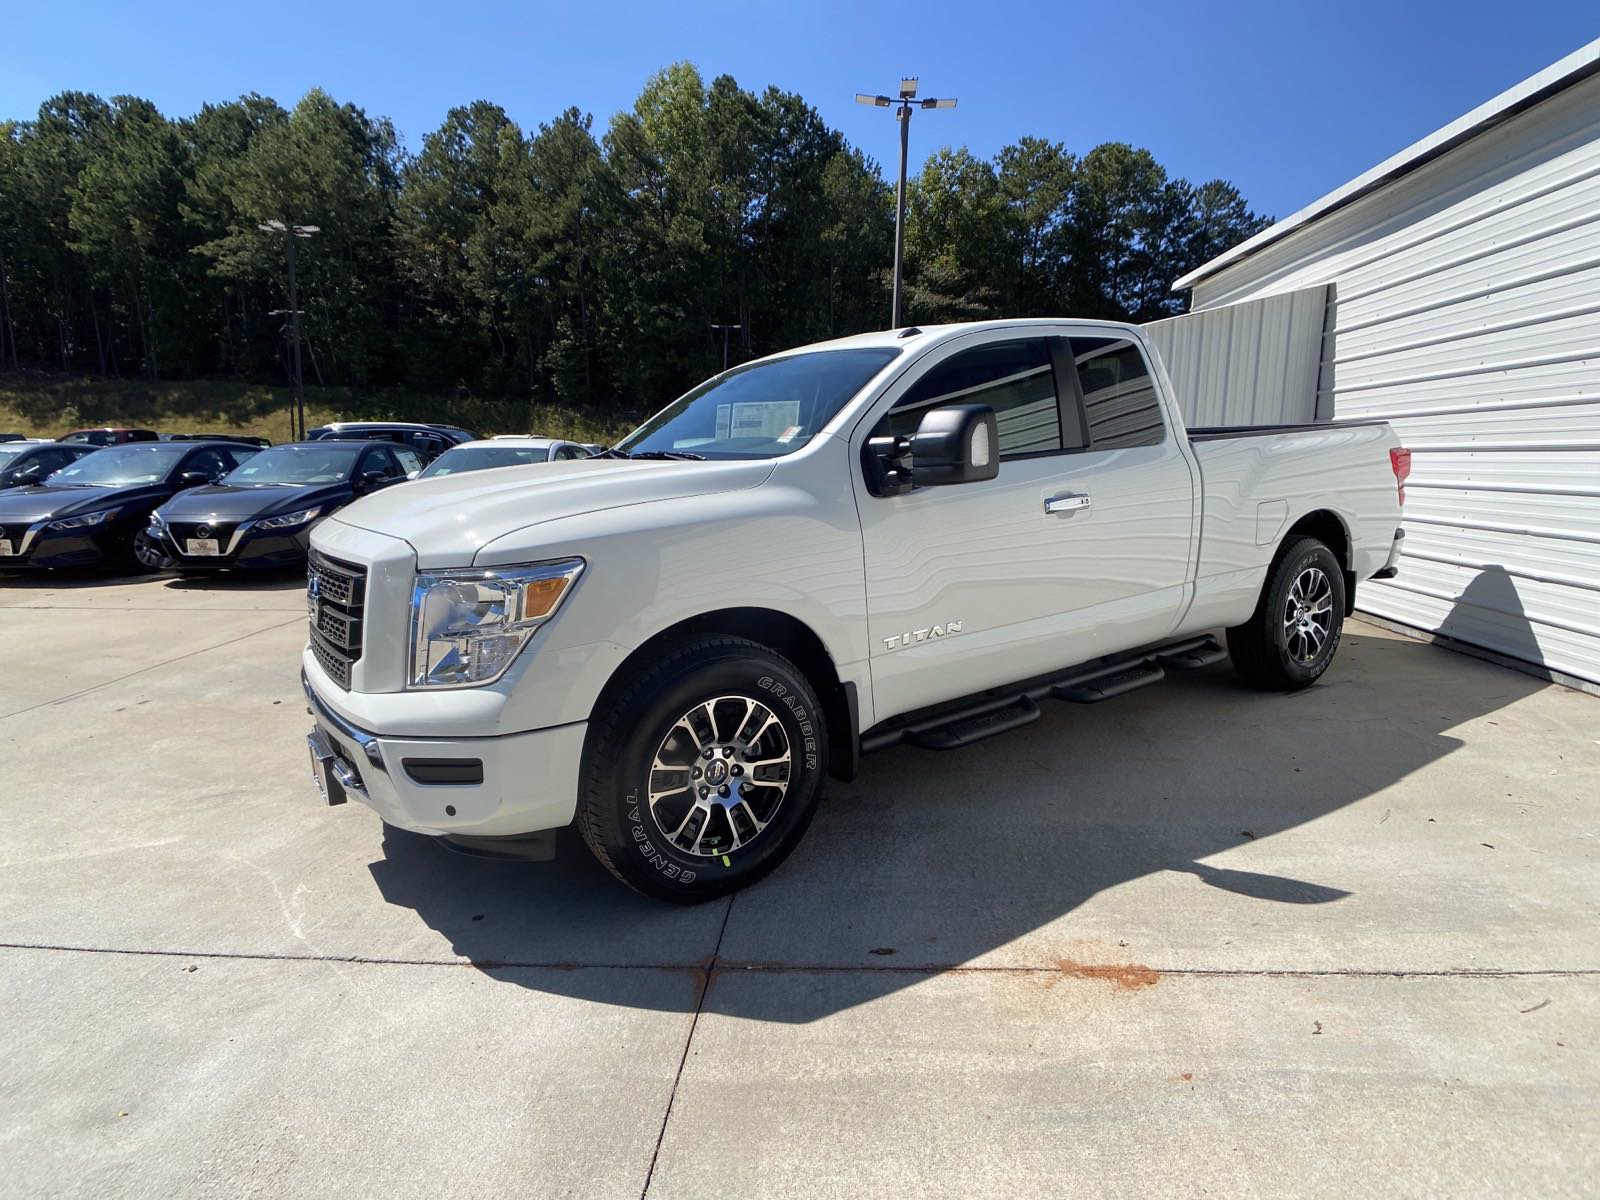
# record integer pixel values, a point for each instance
(202, 531)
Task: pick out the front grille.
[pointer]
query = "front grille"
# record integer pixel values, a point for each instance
(337, 594)
(182, 531)
(335, 664)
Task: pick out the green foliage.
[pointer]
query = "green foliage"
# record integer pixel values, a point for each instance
(498, 272)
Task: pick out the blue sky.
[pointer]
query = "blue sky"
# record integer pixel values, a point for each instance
(1286, 100)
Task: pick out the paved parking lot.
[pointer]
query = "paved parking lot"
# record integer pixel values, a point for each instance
(1194, 940)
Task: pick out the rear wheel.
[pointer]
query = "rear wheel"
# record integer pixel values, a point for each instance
(702, 774)
(1292, 636)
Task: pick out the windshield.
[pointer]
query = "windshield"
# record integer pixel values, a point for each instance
(120, 465)
(296, 465)
(762, 410)
(476, 458)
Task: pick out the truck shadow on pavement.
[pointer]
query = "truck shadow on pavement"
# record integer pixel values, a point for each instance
(982, 859)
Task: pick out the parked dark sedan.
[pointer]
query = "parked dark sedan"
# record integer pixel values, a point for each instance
(23, 464)
(89, 512)
(261, 515)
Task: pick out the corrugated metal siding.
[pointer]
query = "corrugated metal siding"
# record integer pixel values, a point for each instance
(1466, 311)
(1253, 363)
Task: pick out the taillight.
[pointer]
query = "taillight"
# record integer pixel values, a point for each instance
(1400, 461)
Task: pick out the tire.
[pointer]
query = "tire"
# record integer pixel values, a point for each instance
(707, 692)
(1287, 645)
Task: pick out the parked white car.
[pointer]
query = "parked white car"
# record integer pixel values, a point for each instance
(913, 536)
(503, 450)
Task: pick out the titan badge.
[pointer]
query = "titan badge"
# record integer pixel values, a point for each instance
(912, 637)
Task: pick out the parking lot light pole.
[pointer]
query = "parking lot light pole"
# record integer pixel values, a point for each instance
(908, 101)
(297, 419)
(726, 329)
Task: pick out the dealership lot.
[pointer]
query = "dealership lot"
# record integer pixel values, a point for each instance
(1194, 939)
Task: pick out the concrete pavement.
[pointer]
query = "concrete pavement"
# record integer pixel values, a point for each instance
(1195, 939)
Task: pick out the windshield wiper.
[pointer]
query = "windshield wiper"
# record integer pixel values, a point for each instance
(672, 454)
(610, 452)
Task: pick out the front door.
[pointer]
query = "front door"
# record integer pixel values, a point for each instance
(1079, 547)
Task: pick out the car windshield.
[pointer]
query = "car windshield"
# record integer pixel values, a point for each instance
(296, 465)
(476, 458)
(761, 410)
(115, 466)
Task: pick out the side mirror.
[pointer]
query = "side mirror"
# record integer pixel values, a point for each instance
(191, 479)
(956, 443)
(371, 480)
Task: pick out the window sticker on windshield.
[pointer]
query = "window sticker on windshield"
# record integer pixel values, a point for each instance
(763, 419)
(724, 415)
(788, 434)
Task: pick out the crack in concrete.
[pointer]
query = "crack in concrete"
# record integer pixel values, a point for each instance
(716, 966)
(699, 1007)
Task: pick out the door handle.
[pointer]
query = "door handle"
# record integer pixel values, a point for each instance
(1066, 504)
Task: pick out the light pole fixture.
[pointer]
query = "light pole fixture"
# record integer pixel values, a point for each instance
(291, 233)
(907, 101)
(726, 329)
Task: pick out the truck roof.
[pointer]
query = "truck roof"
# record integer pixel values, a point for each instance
(924, 335)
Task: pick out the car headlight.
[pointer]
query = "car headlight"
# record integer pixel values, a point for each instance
(468, 626)
(83, 522)
(158, 523)
(289, 520)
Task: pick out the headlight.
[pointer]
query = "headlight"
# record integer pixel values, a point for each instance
(468, 626)
(289, 520)
(83, 522)
(157, 523)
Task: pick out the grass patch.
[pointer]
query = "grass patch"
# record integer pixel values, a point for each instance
(39, 404)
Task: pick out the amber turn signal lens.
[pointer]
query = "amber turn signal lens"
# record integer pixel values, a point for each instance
(540, 597)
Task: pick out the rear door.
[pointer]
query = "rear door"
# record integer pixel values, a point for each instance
(1078, 547)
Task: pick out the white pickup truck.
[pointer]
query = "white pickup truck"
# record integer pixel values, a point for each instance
(904, 537)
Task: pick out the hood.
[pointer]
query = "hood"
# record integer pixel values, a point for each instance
(224, 504)
(24, 506)
(449, 518)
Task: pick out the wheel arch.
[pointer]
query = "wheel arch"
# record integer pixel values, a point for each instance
(778, 631)
(1329, 528)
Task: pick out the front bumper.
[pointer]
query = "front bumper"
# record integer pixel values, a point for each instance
(45, 549)
(529, 781)
(245, 548)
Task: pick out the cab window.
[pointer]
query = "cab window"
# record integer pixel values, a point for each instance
(1015, 378)
(1119, 395)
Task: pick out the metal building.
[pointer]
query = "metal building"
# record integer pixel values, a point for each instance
(1463, 305)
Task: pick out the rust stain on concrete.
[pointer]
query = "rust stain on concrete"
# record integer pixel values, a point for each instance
(1125, 977)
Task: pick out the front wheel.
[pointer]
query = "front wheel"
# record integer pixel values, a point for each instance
(1291, 638)
(703, 772)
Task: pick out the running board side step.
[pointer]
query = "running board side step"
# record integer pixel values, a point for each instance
(1103, 687)
(1000, 710)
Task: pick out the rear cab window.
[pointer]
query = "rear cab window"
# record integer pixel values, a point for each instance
(1119, 394)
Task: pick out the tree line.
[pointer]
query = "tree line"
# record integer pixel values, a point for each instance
(558, 265)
